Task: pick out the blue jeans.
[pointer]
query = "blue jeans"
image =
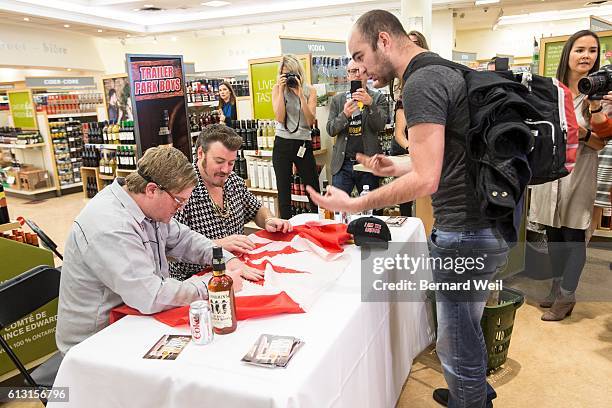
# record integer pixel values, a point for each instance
(347, 178)
(460, 343)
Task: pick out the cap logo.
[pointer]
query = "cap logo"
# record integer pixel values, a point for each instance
(372, 228)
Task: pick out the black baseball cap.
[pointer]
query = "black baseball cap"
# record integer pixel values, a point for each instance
(370, 231)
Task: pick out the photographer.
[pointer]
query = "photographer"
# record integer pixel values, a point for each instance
(356, 130)
(294, 103)
(564, 206)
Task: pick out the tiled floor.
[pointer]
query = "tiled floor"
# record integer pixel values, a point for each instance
(551, 365)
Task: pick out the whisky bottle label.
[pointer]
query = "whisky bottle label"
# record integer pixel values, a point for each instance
(221, 308)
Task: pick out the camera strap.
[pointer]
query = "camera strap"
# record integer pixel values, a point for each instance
(287, 115)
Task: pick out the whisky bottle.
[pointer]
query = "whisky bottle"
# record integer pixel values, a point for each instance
(221, 296)
(164, 135)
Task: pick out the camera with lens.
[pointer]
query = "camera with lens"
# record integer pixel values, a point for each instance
(292, 80)
(597, 84)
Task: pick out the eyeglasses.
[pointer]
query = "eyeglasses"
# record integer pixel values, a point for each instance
(180, 203)
(354, 71)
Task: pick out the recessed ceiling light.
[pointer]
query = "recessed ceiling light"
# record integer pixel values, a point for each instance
(26, 19)
(66, 25)
(216, 3)
(174, 39)
(68, 69)
(100, 30)
(128, 35)
(136, 9)
(148, 5)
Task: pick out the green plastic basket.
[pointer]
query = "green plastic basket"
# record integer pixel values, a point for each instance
(497, 324)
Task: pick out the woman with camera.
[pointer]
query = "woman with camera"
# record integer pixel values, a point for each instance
(564, 206)
(294, 103)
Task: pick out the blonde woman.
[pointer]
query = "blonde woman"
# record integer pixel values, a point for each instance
(294, 103)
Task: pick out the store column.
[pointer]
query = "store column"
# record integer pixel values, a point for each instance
(416, 15)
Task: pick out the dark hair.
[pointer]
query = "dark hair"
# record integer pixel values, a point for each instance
(374, 22)
(232, 94)
(563, 68)
(218, 133)
(421, 40)
(111, 92)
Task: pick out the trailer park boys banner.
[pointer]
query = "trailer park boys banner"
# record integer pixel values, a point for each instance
(157, 84)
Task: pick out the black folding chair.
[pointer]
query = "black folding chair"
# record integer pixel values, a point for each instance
(21, 296)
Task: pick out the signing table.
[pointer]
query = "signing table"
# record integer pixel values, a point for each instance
(356, 354)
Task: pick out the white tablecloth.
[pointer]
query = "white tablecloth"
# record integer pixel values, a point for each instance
(356, 354)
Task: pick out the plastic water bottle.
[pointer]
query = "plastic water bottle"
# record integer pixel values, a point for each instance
(366, 190)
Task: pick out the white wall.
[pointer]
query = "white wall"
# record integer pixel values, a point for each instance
(38, 47)
(516, 39)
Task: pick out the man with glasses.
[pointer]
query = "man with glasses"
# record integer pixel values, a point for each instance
(355, 120)
(117, 248)
(221, 203)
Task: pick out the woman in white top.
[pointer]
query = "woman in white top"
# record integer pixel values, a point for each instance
(294, 103)
(564, 206)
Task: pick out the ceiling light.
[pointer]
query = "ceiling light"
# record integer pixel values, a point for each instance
(100, 30)
(68, 69)
(26, 19)
(136, 9)
(216, 3)
(66, 25)
(174, 38)
(128, 35)
(148, 5)
(482, 2)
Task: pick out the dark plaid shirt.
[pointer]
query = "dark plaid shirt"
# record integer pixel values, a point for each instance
(200, 215)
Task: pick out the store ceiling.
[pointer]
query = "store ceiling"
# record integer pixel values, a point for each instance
(118, 18)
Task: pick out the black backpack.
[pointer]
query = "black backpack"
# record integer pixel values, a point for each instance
(519, 127)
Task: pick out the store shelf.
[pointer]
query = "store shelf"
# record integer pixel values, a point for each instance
(300, 198)
(198, 104)
(602, 233)
(29, 192)
(262, 190)
(72, 185)
(125, 171)
(107, 146)
(72, 115)
(258, 153)
(21, 146)
(105, 177)
(89, 168)
(195, 134)
(243, 98)
(9, 226)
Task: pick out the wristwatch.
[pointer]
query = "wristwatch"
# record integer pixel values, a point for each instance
(596, 110)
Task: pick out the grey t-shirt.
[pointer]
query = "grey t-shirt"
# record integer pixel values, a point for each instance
(437, 94)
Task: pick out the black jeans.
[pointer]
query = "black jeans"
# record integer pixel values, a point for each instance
(284, 155)
(567, 253)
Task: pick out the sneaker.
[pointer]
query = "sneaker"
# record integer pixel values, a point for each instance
(440, 395)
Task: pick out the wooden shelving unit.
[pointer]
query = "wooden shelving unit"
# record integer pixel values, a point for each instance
(21, 146)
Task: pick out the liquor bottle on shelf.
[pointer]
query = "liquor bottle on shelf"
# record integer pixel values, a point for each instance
(606, 218)
(164, 135)
(221, 296)
(4, 214)
(242, 165)
(315, 135)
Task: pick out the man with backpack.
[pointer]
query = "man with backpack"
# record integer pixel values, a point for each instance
(438, 118)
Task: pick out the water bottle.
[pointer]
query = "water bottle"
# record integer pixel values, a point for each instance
(366, 190)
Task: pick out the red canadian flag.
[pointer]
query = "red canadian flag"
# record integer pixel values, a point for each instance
(298, 266)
